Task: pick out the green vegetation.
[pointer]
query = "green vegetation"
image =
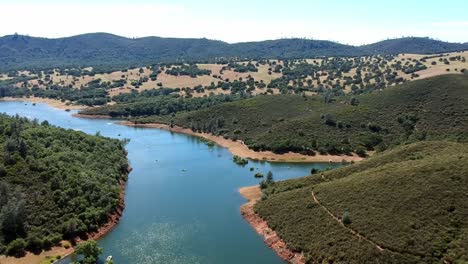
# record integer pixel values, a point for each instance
(413, 45)
(258, 175)
(427, 109)
(50, 259)
(95, 93)
(54, 184)
(240, 161)
(106, 52)
(158, 105)
(89, 250)
(411, 201)
(190, 70)
(249, 67)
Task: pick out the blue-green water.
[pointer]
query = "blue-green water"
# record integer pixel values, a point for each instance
(182, 200)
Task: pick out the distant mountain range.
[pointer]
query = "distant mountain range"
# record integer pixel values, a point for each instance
(110, 51)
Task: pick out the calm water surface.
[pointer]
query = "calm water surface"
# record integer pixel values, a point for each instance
(182, 200)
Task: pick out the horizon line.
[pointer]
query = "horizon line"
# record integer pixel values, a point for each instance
(240, 42)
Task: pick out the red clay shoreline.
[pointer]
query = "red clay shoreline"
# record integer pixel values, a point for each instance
(60, 250)
(113, 219)
(270, 237)
(252, 193)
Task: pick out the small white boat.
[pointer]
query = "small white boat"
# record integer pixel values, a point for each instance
(109, 258)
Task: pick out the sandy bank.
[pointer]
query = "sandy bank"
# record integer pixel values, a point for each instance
(271, 238)
(240, 149)
(52, 102)
(92, 116)
(31, 258)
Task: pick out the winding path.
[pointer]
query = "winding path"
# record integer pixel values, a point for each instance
(381, 248)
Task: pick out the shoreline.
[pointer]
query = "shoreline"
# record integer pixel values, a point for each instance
(77, 115)
(235, 147)
(240, 149)
(51, 102)
(113, 219)
(112, 222)
(270, 237)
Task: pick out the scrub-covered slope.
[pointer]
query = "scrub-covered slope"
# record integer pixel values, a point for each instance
(434, 108)
(405, 205)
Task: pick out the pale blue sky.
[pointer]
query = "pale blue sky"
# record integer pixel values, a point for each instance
(352, 22)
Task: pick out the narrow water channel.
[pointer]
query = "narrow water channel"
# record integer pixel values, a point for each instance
(182, 200)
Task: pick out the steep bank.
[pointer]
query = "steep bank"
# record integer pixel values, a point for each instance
(271, 238)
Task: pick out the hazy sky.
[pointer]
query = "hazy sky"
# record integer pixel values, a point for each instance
(349, 22)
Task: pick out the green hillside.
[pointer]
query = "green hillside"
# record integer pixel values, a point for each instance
(107, 51)
(429, 109)
(54, 184)
(414, 45)
(410, 202)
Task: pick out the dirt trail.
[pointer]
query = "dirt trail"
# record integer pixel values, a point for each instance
(381, 248)
(352, 231)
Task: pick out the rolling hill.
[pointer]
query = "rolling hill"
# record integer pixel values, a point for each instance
(405, 205)
(413, 45)
(107, 50)
(433, 108)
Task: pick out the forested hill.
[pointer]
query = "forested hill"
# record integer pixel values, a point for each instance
(429, 109)
(413, 45)
(54, 183)
(102, 49)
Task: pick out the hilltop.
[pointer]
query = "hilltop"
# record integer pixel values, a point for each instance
(413, 45)
(111, 51)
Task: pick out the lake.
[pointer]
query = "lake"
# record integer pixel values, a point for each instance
(182, 200)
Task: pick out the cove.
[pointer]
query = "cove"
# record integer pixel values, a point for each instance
(181, 203)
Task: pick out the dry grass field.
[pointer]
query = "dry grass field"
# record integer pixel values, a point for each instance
(436, 65)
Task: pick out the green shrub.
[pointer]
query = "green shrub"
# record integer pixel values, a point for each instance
(258, 175)
(346, 219)
(16, 247)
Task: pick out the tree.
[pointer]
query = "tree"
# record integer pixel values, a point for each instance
(354, 101)
(269, 178)
(314, 171)
(346, 219)
(14, 215)
(16, 247)
(360, 151)
(90, 250)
